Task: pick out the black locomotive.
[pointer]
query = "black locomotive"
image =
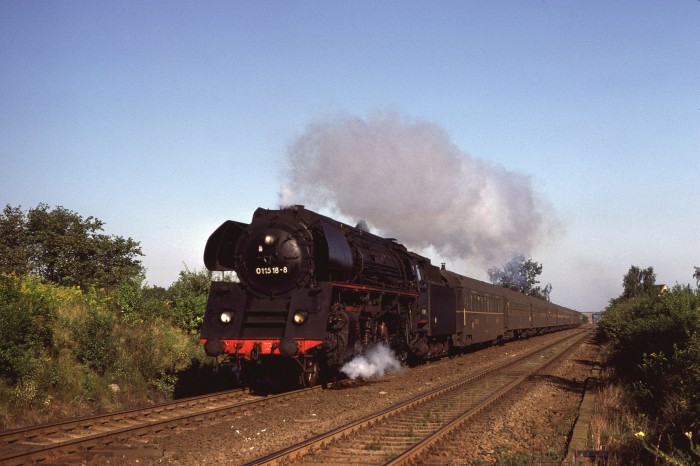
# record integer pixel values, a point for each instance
(314, 292)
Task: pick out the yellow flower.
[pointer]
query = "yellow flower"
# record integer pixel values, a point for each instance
(689, 434)
(639, 434)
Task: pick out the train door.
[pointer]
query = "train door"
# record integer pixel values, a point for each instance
(443, 304)
(480, 319)
(467, 318)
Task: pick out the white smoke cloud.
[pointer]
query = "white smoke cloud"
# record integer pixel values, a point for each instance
(378, 360)
(408, 181)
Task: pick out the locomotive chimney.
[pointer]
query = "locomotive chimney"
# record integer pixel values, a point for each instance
(442, 266)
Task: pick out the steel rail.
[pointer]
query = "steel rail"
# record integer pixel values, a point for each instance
(300, 449)
(35, 443)
(410, 455)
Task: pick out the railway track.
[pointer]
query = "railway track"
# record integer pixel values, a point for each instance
(119, 432)
(400, 434)
(126, 433)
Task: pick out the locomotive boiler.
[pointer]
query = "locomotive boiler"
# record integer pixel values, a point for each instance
(313, 292)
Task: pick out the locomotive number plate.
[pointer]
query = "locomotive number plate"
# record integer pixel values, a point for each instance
(271, 270)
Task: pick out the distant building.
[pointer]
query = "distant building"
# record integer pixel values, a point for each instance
(660, 289)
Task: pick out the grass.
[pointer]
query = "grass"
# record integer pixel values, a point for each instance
(66, 352)
(613, 424)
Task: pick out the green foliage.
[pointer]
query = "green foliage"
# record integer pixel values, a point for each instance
(61, 344)
(129, 300)
(687, 455)
(14, 242)
(61, 247)
(520, 275)
(655, 343)
(94, 337)
(27, 315)
(75, 318)
(189, 296)
(170, 350)
(137, 304)
(183, 303)
(637, 283)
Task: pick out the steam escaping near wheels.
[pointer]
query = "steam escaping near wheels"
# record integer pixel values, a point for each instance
(378, 360)
(314, 292)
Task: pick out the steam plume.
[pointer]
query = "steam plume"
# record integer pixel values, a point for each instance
(408, 181)
(376, 362)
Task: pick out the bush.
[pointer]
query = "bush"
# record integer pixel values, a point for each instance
(655, 343)
(182, 304)
(61, 348)
(94, 337)
(28, 311)
(189, 298)
(75, 318)
(170, 350)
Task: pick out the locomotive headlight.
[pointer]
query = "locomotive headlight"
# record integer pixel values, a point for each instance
(269, 240)
(300, 317)
(226, 317)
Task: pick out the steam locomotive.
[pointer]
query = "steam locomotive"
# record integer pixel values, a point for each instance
(314, 292)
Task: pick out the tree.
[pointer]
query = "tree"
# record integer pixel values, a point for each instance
(696, 276)
(520, 275)
(638, 282)
(14, 247)
(61, 247)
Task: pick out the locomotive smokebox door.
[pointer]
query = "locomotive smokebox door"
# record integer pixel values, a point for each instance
(274, 256)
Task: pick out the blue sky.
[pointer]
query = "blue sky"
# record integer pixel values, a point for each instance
(163, 119)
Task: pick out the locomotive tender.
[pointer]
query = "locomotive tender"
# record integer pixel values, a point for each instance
(313, 292)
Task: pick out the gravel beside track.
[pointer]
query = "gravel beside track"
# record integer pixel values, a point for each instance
(534, 420)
